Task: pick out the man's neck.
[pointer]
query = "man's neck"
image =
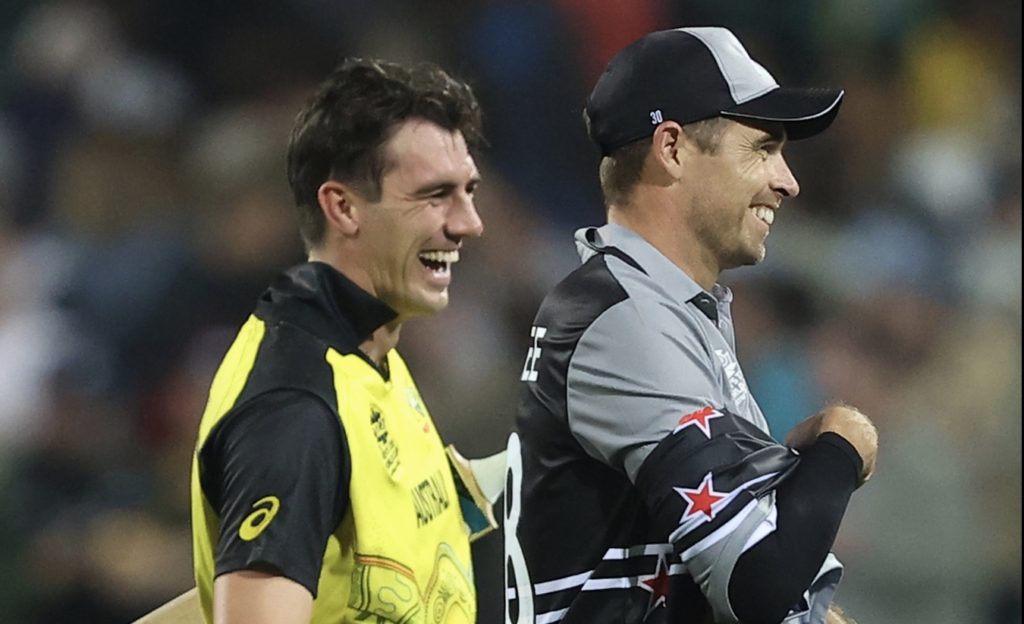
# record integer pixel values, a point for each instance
(384, 338)
(653, 216)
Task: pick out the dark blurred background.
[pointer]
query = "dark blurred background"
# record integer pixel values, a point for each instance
(144, 206)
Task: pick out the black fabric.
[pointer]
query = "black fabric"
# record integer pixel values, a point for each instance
(668, 71)
(673, 75)
(770, 578)
(736, 454)
(614, 251)
(290, 445)
(560, 480)
(706, 304)
(807, 111)
(316, 297)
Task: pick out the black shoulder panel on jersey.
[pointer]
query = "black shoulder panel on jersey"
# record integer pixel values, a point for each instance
(592, 284)
(556, 468)
(591, 236)
(289, 357)
(565, 314)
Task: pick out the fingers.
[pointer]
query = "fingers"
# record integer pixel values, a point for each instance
(846, 421)
(858, 430)
(805, 433)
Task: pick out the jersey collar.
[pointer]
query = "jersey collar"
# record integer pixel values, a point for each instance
(321, 300)
(621, 241)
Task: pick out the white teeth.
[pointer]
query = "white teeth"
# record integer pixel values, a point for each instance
(448, 257)
(765, 214)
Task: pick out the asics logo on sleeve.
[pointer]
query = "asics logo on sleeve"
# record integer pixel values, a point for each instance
(256, 522)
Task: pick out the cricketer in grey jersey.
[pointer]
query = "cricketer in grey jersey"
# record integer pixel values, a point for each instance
(650, 342)
(643, 483)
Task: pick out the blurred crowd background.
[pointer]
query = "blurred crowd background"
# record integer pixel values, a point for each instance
(144, 206)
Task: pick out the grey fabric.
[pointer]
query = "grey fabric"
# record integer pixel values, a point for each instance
(819, 595)
(747, 78)
(673, 359)
(713, 567)
(628, 384)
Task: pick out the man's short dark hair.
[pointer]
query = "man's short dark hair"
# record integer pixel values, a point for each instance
(620, 171)
(341, 132)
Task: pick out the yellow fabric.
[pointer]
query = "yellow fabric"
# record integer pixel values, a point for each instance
(227, 385)
(402, 551)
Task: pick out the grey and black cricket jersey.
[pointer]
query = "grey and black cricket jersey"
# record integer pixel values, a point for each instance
(642, 467)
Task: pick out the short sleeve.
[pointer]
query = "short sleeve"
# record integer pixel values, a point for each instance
(277, 472)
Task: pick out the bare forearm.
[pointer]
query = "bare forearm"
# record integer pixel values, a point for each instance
(248, 597)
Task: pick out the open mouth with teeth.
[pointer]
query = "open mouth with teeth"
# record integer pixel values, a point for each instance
(765, 214)
(439, 262)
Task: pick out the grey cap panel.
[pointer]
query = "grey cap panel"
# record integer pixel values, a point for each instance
(747, 79)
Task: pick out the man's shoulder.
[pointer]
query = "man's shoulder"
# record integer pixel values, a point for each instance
(583, 295)
(605, 282)
(289, 358)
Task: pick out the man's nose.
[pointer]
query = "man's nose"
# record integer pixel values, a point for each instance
(463, 219)
(783, 181)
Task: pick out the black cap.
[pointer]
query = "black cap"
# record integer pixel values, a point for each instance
(689, 74)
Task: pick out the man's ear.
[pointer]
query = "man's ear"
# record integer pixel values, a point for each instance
(669, 147)
(339, 203)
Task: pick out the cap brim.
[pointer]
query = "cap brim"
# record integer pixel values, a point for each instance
(804, 112)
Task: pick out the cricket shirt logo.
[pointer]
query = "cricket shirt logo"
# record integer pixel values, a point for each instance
(385, 441)
(416, 403)
(734, 377)
(657, 584)
(699, 419)
(701, 500)
(255, 523)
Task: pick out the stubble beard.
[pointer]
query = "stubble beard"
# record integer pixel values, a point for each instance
(728, 242)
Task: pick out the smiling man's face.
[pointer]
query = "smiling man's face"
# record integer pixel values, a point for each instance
(735, 190)
(411, 237)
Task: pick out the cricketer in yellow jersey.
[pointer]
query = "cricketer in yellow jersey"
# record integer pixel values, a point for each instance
(321, 491)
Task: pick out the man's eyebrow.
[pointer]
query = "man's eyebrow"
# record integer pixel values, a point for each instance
(770, 138)
(441, 187)
(434, 188)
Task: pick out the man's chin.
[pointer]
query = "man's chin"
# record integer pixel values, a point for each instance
(755, 255)
(752, 258)
(430, 304)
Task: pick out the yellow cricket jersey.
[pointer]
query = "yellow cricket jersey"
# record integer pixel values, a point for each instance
(399, 551)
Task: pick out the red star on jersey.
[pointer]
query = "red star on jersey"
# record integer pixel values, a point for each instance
(699, 418)
(657, 584)
(701, 500)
